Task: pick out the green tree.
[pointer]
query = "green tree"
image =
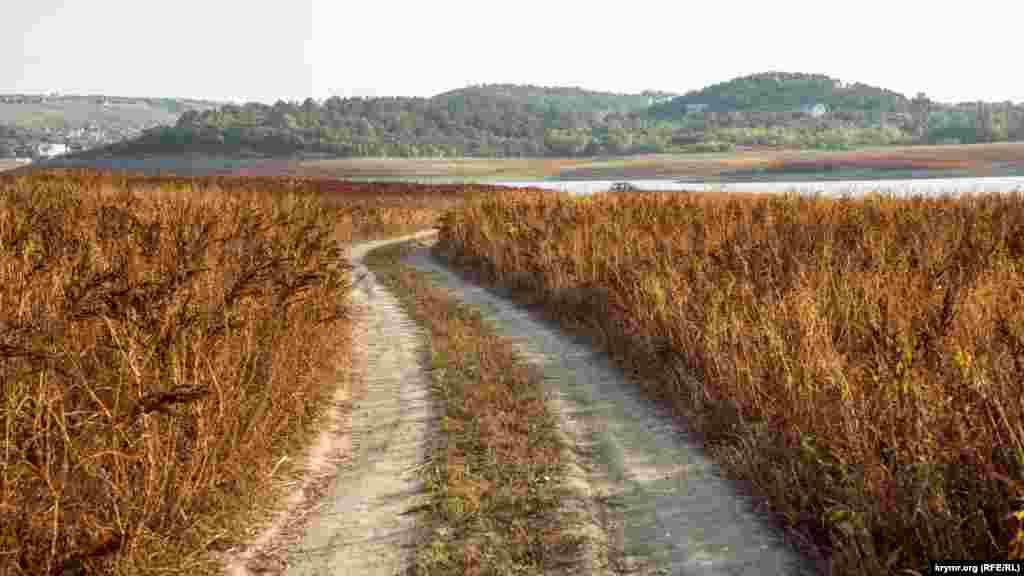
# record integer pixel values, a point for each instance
(566, 142)
(1016, 123)
(985, 126)
(920, 110)
(619, 141)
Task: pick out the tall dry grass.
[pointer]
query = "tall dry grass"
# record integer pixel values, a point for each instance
(159, 351)
(166, 344)
(362, 210)
(857, 362)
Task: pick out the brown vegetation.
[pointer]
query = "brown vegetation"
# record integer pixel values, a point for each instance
(164, 343)
(497, 473)
(434, 167)
(975, 157)
(860, 361)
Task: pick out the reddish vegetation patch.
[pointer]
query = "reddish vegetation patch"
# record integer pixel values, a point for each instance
(894, 162)
(266, 168)
(978, 158)
(975, 158)
(875, 163)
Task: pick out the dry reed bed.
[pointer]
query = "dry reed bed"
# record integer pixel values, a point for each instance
(978, 158)
(861, 359)
(875, 163)
(164, 342)
(977, 164)
(363, 210)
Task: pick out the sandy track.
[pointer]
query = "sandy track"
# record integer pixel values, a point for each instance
(663, 505)
(656, 505)
(347, 516)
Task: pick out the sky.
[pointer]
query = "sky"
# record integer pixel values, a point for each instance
(228, 50)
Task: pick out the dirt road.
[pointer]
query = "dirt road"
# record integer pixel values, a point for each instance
(663, 508)
(365, 461)
(668, 510)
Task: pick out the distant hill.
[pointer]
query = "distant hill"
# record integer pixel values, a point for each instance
(772, 109)
(82, 122)
(557, 100)
(485, 120)
(783, 92)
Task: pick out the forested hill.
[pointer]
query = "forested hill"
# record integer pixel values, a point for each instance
(488, 120)
(782, 92)
(771, 109)
(551, 100)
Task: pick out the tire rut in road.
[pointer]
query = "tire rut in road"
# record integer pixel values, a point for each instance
(666, 509)
(360, 524)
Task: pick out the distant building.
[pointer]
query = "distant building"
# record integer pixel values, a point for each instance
(817, 110)
(696, 108)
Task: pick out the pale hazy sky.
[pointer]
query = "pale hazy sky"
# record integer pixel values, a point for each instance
(233, 50)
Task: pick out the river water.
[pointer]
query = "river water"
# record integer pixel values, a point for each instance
(923, 186)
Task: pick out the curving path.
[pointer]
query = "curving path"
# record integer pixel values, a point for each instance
(667, 511)
(659, 507)
(358, 523)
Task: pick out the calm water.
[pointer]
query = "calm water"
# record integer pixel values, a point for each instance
(930, 186)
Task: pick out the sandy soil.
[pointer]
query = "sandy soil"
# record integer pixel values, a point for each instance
(347, 514)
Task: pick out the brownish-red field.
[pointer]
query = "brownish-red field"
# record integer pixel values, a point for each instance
(977, 159)
(969, 160)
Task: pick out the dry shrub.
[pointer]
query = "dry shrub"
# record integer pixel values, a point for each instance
(857, 361)
(362, 210)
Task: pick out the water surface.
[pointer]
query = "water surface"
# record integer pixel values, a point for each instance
(928, 186)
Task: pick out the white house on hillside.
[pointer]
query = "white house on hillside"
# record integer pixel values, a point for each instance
(817, 110)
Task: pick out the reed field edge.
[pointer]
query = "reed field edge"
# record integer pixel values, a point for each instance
(859, 360)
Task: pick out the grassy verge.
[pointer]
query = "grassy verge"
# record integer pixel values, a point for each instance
(497, 474)
(858, 362)
(166, 349)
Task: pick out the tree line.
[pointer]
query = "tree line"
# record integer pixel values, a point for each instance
(510, 120)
